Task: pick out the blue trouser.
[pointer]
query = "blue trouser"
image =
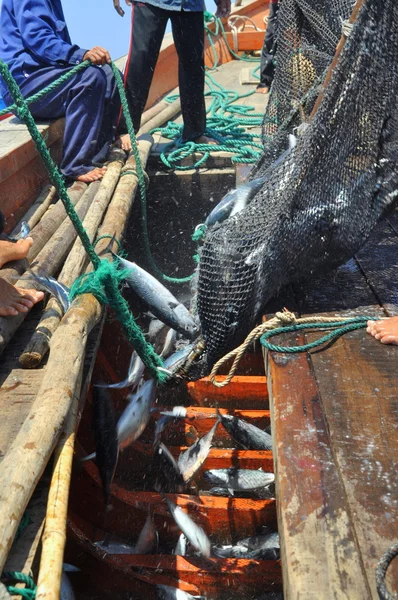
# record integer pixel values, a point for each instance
(90, 103)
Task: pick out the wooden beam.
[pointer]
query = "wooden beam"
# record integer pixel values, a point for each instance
(248, 41)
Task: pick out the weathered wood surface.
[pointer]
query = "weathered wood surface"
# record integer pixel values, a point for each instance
(335, 422)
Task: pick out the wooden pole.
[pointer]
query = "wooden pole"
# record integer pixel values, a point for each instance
(27, 457)
(49, 260)
(54, 537)
(339, 48)
(39, 343)
(166, 114)
(38, 208)
(53, 219)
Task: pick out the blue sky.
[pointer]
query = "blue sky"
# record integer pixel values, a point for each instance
(96, 23)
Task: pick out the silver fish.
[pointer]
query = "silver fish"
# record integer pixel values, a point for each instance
(115, 547)
(67, 592)
(148, 539)
(181, 547)
(157, 334)
(134, 375)
(166, 592)
(23, 232)
(161, 301)
(176, 412)
(194, 534)
(239, 480)
(176, 360)
(193, 458)
(236, 200)
(265, 547)
(247, 435)
(106, 441)
(51, 285)
(169, 343)
(136, 415)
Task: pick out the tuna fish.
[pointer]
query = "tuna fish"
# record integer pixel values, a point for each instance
(166, 592)
(51, 285)
(136, 415)
(115, 547)
(148, 539)
(239, 480)
(194, 534)
(106, 442)
(181, 547)
(161, 301)
(192, 459)
(247, 435)
(169, 343)
(264, 547)
(23, 232)
(134, 375)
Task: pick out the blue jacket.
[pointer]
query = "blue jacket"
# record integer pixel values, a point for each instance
(34, 35)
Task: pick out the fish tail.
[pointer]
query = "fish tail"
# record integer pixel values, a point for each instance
(109, 247)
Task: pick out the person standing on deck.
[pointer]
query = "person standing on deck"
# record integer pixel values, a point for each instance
(148, 25)
(35, 44)
(267, 67)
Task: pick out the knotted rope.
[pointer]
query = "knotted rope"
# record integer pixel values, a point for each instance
(28, 592)
(285, 322)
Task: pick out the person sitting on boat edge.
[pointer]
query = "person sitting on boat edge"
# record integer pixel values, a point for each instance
(148, 25)
(14, 300)
(386, 330)
(36, 46)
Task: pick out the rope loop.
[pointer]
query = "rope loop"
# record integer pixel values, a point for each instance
(28, 592)
(381, 571)
(285, 322)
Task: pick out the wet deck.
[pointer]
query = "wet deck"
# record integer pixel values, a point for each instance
(335, 422)
(229, 75)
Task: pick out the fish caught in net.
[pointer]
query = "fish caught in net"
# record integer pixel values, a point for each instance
(317, 206)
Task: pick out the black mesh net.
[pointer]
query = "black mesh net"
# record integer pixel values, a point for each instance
(317, 206)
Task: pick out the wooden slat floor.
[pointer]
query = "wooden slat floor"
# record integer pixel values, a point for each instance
(335, 422)
(229, 76)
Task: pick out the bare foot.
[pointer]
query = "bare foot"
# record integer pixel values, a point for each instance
(262, 90)
(93, 175)
(203, 139)
(15, 300)
(14, 250)
(124, 143)
(386, 330)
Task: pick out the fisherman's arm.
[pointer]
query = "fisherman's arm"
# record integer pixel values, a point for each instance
(223, 8)
(39, 28)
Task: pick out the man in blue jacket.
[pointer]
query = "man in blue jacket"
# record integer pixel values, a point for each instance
(148, 25)
(35, 44)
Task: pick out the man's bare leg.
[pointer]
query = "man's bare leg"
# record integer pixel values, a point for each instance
(204, 139)
(16, 300)
(386, 331)
(14, 250)
(93, 175)
(262, 90)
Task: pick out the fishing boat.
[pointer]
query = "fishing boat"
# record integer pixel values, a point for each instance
(332, 414)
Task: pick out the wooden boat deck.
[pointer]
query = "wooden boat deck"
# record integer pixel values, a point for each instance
(335, 421)
(228, 75)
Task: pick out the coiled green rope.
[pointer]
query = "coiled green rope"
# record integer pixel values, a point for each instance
(105, 281)
(342, 327)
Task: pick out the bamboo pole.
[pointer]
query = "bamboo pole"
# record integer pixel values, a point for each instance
(53, 219)
(38, 208)
(157, 108)
(49, 260)
(54, 537)
(38, 345)
(339, 48)
(165, 115)
(28, 455)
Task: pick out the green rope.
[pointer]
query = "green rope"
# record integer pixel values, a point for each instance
(342, 328)
(50, 88)
(219, 28)
(29, 592)
(104, 280)
(107, 236)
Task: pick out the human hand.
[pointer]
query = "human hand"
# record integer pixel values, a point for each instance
(98, 56)
(118, 8)
(223, 8)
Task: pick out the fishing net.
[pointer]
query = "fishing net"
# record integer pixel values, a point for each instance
(318, 205)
